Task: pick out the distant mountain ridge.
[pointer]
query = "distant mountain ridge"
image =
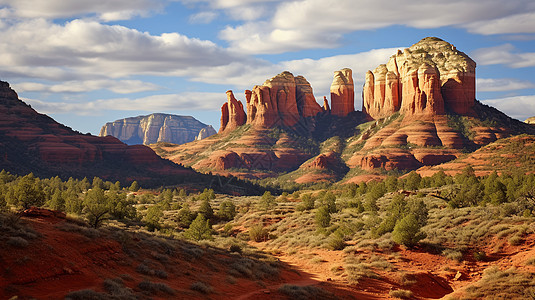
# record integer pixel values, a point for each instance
(157, 127)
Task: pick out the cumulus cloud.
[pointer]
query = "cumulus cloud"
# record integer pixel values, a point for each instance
(519, 107)
(167, 102)
(83, 49)
(104, 10)
(321, 23)
(116, 86)
(518, 23)
(504, 54)
(502, 84)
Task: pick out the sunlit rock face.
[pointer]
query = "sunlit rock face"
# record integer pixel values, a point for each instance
(431, 77)
(154, 128)
(342, 93)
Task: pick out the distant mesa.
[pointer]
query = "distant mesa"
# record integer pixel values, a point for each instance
(157, 127)
(34, 142)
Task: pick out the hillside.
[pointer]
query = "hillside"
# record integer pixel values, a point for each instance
(419, 109)
(157, 127)
(33, 142)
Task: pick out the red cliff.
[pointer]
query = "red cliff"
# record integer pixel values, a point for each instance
(342, 93)
(232, 114)
(281, 100)
(431, 77)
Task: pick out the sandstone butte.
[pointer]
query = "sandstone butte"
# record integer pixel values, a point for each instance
(156, 128)
(417, 103)
(283, 100)
(33, 142)
(431, 77)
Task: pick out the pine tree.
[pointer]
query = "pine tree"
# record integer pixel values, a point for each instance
(199, 229)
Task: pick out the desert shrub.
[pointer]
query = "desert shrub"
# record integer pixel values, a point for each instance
(307, 203)
(323, 217)
(153, 216)
(184, 217)
(116, 288)
(267, 201)
(401, 294)
(193, 252)
(144, 269)
(258, 233)
(336, 242)
(304, 292)
(453, 254)
(86, 294)
(227, 210)
(155, 287)
(516, 240)
(17, 242)
(479, 255)
(199, 229)
(201, 287)
(235, 248)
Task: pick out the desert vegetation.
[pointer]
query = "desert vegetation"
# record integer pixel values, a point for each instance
(358, 234)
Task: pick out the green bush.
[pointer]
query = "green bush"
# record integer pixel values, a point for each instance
(258, 233)
(199, 229)
(407, 231)
(323, 217)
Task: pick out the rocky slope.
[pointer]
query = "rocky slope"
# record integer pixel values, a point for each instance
(33, 142)
(419, 109)
(156, 128)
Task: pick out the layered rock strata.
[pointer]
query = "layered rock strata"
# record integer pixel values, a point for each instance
(155, 128)
(232, 114)
(282, 100)
(33, 142)
(342, 93)
(431, 77)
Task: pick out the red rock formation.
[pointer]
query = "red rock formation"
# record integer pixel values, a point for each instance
(430, 77)
(281, 100)
(306, 102)
(342, 93)
(32, 142)
(232, 114)
(326, 107)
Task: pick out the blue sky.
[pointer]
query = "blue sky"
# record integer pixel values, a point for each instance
(88, 62)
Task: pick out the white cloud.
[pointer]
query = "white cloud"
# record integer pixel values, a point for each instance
(168, 102)
(204, 17)
(305, 24)
(504, 54)
(116, 86)
(83, 49)
(518, 23)
(519, 107)
(502, 84)
(104, 10)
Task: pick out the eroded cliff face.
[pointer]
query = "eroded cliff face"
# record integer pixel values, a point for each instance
(281, 100)
(431, 77)
(154, 128)
(232, 114)
(342, 93)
